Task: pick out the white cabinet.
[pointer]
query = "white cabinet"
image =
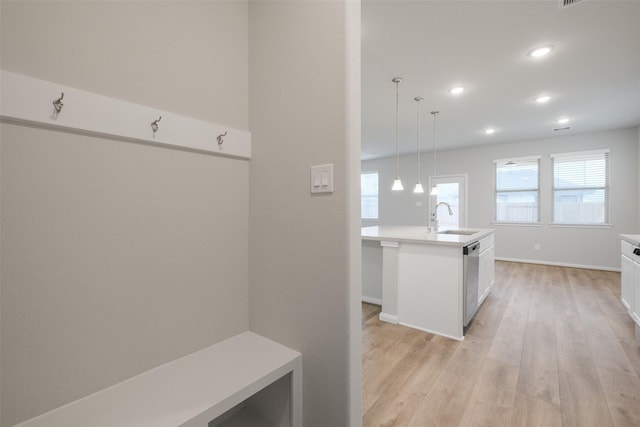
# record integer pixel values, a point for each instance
(635, 308)
(630, 280)
(627, 282)
(487, 271)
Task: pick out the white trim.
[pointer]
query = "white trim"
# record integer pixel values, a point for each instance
(558, 264)
(559, 225)
(376, 301)
(389, 244)
(30, 101)
(390, 318)
(579, 153)
(432, 332)
(518, 224)
(518, 159)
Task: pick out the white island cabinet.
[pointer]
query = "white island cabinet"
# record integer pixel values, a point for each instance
(422, 275)
(630, 277)
(487, 271)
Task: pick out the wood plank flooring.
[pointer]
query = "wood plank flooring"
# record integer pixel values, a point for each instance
(550, 347)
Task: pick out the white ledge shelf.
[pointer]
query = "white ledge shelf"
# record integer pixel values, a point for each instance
(190, 391)
(28, 100)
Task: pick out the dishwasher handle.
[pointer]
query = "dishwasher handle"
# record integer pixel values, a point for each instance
(471, 248)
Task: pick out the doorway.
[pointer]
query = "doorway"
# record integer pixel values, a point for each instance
(452, 190)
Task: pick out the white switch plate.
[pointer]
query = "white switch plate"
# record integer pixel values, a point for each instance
(322, 179)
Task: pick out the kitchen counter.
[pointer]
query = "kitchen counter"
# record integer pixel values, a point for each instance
(634, 239)
(420, 234)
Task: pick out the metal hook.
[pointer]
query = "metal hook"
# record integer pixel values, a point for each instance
(219, 138)
(57, 104)
(154, 125)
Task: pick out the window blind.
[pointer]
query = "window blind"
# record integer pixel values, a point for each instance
(581, 187)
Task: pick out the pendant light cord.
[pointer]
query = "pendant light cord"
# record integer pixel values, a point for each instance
(397, 81)
(435, 155)
(418, 99)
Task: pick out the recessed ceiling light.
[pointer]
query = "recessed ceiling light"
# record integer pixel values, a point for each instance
(489, 131)
(456, 90)
(542, 99)
(562, 120)
(540, 51)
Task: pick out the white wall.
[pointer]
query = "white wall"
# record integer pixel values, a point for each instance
(118, 257)
(304, 250)
(567, 246)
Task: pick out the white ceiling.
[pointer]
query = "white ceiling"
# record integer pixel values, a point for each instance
(593, 73)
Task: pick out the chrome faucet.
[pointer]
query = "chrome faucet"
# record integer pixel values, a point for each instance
(434, 215)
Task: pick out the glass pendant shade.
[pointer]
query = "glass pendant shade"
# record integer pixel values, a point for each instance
(397, 185)
(434, 191)
(418, 188)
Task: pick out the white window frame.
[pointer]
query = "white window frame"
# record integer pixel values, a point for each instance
(606, 188)
(377, 196)
(496, 192)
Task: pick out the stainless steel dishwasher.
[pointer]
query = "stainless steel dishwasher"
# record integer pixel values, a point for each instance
(471, 265)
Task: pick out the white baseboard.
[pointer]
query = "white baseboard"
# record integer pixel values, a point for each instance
(433, 332)
(390, 318)
(376, 301)
(559, 264)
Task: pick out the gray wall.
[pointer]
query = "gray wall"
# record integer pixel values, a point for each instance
(304, 248)
(561, 245)
(118, 257)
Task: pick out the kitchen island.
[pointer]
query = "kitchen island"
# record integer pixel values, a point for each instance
(420, 275)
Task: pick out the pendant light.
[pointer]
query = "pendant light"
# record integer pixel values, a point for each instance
(418, 189)
(434, 189)
(397, 183)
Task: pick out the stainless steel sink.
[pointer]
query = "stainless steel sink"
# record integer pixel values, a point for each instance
(459, 232)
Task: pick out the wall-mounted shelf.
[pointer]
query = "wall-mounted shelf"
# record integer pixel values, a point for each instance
(29, 100)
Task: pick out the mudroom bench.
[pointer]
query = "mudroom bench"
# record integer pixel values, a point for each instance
(244, 380)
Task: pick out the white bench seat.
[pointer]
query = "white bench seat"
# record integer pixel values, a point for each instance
(190, 391)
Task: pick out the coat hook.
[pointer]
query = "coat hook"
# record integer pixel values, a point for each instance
(154, 125)
(57, 104)
(219, 138)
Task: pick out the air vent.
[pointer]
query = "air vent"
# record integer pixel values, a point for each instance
(562, 129)
(566, 3)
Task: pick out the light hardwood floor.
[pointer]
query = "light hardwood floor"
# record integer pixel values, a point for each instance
(551, 346)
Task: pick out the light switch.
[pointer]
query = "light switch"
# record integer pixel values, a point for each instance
(322, 178)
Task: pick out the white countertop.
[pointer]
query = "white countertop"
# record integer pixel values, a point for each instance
(421, 234)
(631, 238)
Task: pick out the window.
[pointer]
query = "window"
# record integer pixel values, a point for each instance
(581, 188)
(369, 195)
(516, 190)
